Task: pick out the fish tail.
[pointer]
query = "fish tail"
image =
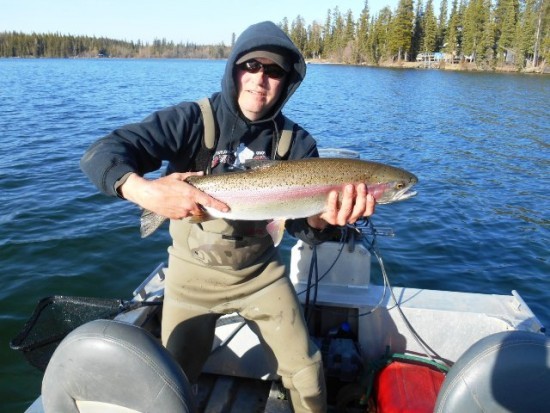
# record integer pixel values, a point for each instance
(150, 222)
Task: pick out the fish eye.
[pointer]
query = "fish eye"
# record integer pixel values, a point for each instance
(400, 185)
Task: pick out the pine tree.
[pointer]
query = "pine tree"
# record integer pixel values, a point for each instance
(298, 32)
(327, 35)
(349, 54)
(525, 37)
(400, 40)
(379, 40)
(476, 19)
(451, 43)
(418, 31)
(315, 40)
(338, 33)
(488, 45)
(362, 36)
(442, 24)
(541, 46)
(284, 26)
(429, 29)
(506, 17)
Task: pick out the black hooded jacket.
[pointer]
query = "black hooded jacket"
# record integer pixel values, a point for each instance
(175, 134)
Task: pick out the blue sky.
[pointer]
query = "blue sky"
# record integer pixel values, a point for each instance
(197, 21)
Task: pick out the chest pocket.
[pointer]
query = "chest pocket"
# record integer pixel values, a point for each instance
(231, 245)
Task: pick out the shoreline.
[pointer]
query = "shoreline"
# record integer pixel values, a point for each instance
(457, 67)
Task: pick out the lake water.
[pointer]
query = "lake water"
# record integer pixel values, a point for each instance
(479, 143)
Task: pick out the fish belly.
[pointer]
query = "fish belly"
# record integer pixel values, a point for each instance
(265, 204)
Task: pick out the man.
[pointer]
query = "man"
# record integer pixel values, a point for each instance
(221, 266)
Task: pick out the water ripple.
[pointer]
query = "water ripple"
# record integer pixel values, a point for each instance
(478, 143)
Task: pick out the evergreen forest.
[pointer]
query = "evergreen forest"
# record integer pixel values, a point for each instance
(481, 34)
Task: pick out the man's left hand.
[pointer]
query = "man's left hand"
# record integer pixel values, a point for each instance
(355, 204)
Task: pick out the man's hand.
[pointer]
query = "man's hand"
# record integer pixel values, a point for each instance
(170, 196)
(356, 203)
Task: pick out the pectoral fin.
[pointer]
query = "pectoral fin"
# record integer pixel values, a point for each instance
(197, 219)
(151, 221)
(276, 229)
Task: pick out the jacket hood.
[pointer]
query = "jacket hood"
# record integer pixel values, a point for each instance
(263, 36)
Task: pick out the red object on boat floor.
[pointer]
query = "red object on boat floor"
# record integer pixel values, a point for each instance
(407, 388)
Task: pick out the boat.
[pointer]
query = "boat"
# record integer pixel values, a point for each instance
(385, 348)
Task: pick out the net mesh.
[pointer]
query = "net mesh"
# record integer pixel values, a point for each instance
(55, 317)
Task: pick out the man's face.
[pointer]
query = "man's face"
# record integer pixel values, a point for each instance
(257, 92)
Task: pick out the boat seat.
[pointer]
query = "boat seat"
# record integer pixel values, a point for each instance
(108, 366)
(504, 372)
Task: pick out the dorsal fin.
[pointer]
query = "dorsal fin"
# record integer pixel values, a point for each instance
(259, 163)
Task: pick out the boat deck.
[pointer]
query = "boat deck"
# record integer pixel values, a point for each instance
(239, 375)
(236, 395)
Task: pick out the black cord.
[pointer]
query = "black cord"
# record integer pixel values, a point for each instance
(313, 269)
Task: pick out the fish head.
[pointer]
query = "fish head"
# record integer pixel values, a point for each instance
(398, 189)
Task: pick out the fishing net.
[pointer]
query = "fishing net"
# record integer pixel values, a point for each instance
(56, 316)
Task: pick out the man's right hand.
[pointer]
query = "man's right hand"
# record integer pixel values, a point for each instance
(170, 196)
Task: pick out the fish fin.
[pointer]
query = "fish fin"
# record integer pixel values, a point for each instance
(150, 222)
(236, 168)
(259, 163)
(276, 229)
(197, 219)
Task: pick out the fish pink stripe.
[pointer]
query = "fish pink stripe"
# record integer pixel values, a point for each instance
(271, 194)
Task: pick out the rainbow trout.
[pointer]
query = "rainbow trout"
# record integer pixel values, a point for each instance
(280, 190)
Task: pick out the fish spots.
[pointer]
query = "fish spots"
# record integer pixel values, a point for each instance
(295, 188)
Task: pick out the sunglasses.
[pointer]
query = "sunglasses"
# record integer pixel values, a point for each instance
(272, 70)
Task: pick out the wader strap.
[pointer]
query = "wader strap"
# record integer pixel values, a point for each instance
(209, 139)
(283, 147)
(203, 160)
